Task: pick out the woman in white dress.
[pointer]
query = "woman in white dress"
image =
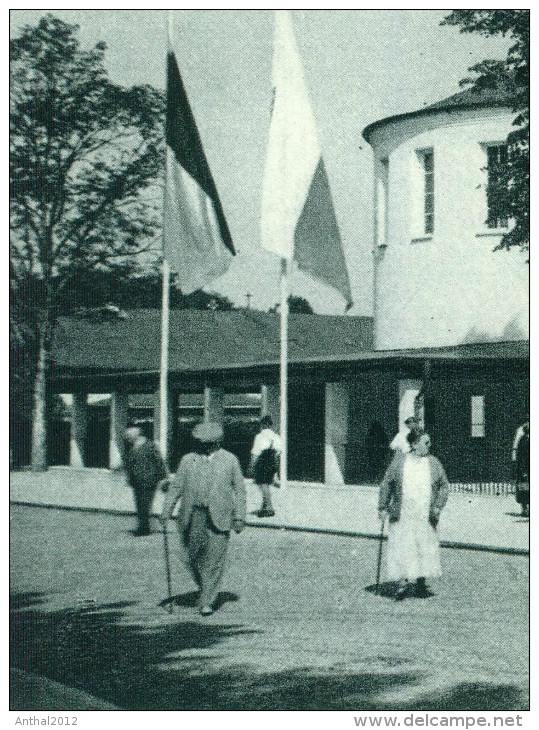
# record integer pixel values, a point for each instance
(413, 493)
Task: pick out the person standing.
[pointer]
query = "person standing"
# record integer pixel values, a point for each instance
(413, 493)
(267, 447)
(400, 442)
(145, 468)
(210, 484)
(520, 456)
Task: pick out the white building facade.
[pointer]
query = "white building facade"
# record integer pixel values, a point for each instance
(437, 279)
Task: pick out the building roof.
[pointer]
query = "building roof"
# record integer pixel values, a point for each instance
(203, 340)
(476, 351)
(468, 99)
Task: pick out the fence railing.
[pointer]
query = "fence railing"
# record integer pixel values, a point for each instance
(492, 489)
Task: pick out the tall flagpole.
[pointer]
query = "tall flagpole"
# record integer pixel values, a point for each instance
(163, 372)
(165, 318)
(283, 475)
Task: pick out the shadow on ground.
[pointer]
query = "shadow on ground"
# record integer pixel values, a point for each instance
(190, 600)
(138, 668)
(390, 590)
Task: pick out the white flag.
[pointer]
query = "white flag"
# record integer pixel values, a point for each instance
(298, 219)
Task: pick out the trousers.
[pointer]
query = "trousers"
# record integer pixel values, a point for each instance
(143, 503)
(206, 550)
(265, 489)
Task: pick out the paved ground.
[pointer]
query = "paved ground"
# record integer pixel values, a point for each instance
(297, 630)
(468, 519)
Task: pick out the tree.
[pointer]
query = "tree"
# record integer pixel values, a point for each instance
(296, 305)
(132, 290)
(85, 155)
(512, 199)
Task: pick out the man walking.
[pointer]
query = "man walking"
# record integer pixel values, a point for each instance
(210, 484)
(266, 449)
(520, 456)
(144, 467)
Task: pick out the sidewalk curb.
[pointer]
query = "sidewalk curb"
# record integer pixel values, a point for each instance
(374, 536)
(293, 528)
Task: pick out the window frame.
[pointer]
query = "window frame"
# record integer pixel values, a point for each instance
(382, 202)
(492, 221)
(424, 195)
(477, 419)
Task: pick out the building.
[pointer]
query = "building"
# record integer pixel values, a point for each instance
(448, 340)
(437, 279)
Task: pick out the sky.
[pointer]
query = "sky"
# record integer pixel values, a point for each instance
(359, 65)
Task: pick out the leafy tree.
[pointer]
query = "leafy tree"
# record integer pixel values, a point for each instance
(511, 200)
(85, 155)
(296, 305)
(132, 290)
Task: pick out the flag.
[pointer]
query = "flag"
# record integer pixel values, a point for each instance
(196, 239)
(298, 218)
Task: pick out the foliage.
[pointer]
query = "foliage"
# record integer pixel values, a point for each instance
(512, 200)
(85, 158)
(296, 305)
(128, 290)
(84, 155)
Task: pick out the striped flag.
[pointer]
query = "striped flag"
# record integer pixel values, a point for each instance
(197, 243)
(298, 218)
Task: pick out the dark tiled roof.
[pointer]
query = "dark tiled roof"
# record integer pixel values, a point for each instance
(474, 97)
(509, 350)
(203, 340)
(468, 99)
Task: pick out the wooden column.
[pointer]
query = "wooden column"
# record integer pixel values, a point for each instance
(79, 428)
(119, 409)
(336, 432)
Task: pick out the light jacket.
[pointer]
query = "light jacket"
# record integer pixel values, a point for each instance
(226, 498)
(390, 497)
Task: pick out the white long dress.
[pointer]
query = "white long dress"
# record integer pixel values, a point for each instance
(413, 549)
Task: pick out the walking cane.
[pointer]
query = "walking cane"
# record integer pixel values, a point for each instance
(167, 566)
(380, 546)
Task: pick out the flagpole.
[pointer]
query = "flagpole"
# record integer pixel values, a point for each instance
(163, 371)
(165, 322)
(284, 374)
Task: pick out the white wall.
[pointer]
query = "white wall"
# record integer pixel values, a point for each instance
(450, 287)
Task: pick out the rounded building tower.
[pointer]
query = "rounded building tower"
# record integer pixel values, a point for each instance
(437, 279)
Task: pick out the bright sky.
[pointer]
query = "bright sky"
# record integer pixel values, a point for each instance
(360, 66)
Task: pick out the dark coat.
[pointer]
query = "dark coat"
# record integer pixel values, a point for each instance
(390, 497)
(523, 458)
(145, 467)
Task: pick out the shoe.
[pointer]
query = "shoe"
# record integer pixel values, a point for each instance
(422, 590)
(141, 533)
(206, 610)
(265, 513)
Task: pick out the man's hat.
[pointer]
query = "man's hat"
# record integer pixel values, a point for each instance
(208, 432)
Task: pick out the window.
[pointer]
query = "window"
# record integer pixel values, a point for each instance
(478, 416)
(381, 202)
(423, 197)
(496, 185)
(428, 169)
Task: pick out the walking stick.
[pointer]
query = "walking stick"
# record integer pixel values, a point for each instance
(167, 566)
(380, 546)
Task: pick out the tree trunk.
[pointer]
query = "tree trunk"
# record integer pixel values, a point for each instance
(39, 414)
